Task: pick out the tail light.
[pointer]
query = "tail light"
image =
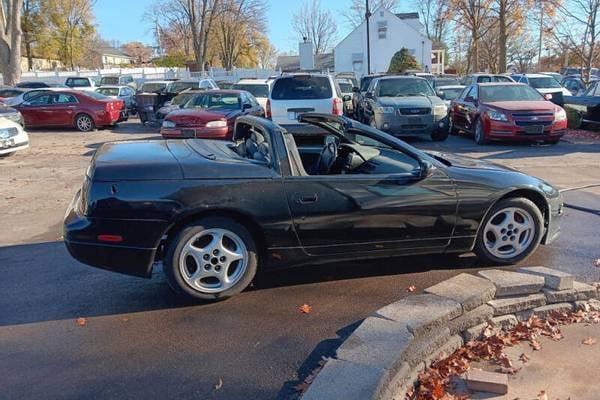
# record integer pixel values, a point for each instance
(268, 109)
(337, 107)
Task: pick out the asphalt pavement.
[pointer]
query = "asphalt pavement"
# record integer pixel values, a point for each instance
(138, 340)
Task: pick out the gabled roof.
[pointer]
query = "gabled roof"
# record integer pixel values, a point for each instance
(410, 15)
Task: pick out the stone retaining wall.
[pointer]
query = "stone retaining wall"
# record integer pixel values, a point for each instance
(383, 357)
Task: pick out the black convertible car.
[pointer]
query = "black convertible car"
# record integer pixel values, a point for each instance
(215, 211)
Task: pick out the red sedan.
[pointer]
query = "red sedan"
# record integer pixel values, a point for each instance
(210, 115)
(82, 110)
(506, 111)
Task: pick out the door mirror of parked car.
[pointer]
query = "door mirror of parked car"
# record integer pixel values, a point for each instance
(246, 106)
(441, 95)
(355, 89)
(426, 169)
(548, 96)
(346, 97)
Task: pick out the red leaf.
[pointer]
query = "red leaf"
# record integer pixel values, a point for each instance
(305, 309)
(81, 321)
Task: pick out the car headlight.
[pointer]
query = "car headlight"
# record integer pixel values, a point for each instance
(216, 124)
(6, 133)
(168, 124)
(560, 115)
(384, 110)
(440, 109)
(497, 115)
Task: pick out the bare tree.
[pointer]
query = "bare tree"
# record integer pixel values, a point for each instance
(436, 16)
(475, 17)
(10, 40)
(355, 14)
(316, 24)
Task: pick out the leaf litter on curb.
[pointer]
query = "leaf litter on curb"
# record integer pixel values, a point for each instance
(491, 347)
(305, 384)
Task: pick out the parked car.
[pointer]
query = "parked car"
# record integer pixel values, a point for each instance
(124, 93)
(211, 115)
(26, 95)
(468, 80)
(587, 104)
(81, 83)
(574, 85)
(449, 93)
(359, 96)
(225, 84)
(12, 137)
(9, 92)
(544, 84)
(118, 80)
(346, 86)
(294, 94)
(427, 75)
(405, 105)
(555, 75)
(348, 75)
(81, 110)
(178, 86)
(259, 88)
(507, 111)
(214, 211)
(153, 87)
(11, 114)
(32, 85)
(445, 81)
(176, 103)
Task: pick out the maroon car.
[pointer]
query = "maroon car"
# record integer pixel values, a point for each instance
(210, 115)
(506, 111)
(82, 110)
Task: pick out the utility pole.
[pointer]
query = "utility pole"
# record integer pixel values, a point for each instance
(541, 36)
(367, 16)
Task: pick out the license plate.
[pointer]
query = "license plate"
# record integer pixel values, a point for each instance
(5, 144)
(534, 129)
(188, 133)
(413, 120)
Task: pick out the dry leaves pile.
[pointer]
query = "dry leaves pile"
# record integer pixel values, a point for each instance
(435, 382)
(583, 134)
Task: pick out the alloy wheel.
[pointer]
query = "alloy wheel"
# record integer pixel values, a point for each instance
(214, 260)
(509, 232)
(84, 123)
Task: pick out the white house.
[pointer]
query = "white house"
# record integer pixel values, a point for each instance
(389, 32)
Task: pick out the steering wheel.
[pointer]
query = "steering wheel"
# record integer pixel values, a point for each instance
(327, 158)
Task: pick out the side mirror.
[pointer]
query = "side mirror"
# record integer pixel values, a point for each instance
(441, 95)
(548, 96)
(426, 169)
(369, 95)
(346, 97)
(246, 106)
(355, 89)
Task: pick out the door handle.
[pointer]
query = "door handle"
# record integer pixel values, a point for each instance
(306, 198)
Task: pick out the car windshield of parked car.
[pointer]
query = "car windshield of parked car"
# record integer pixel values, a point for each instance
(109, 80)
(451, 93)
(182, 98)
(404, 87)
(152, 87)
(302, 87)
(78, 82)
(256, 89)
(95, 95)
(32, 94)
(215, 100)
(545, 82)
(446, 82)
(492, 94)
(176, 87)
(365, 82)
(108, 91)
(345, 87)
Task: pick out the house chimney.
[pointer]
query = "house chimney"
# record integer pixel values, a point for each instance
(307, 58)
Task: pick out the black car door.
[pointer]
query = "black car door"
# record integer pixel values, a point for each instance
(397, 212)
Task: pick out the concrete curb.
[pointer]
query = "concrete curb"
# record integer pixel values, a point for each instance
(383, 357)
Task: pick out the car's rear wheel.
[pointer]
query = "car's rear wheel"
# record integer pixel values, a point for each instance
(479, 133)
(211, 259)
(511, 231)
(84, 123)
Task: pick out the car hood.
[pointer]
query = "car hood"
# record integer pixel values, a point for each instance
(410, 101)
(199, 115)
(458, 161)
(541, 105)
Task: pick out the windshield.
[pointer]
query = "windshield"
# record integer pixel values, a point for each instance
(446, 82)
(508, 93)
(451, 94)
(215, 101)
(108, 91)
(109, 80)
(345, 87)
(404, 87)
(176, 87)
(545, 82)
(256, 90)
(365, 82)
(153, 87)
(182, 98)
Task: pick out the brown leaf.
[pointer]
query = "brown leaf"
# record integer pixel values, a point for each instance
(81, 321)
(219, 384)
(542, 395)
(597, 263)
(589, 341)
(524, 358)
(305, 309)
(535, 344)
(411, 288)
(438, 391)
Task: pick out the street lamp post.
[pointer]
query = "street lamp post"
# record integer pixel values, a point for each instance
(367, 16)
(541, 36)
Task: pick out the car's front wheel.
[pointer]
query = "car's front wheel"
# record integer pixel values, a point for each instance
(84, 123)
(479, 133)
(439, 135)
(211, 259)
(510, 232)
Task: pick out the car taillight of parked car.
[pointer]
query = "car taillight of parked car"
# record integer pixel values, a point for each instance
(337, 107)
(268, 109)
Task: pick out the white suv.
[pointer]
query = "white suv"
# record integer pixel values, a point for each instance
(294, 94)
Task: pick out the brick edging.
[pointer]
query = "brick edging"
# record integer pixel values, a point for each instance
(383, 357)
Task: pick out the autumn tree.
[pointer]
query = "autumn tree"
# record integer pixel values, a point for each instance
(10, 40)
(266, 54)
(436, 16)
(316, 24)
(355, 14)
(32, 26)
(402, 61)
(141, 53)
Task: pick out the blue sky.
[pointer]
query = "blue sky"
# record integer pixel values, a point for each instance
(122, 20)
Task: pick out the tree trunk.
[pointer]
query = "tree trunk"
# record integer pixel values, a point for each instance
(10, 42)
(502, 36)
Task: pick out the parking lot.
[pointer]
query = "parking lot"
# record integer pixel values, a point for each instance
(141, 341)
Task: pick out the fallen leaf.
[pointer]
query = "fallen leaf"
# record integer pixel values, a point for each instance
(438, 391)
(589, 341)
(542, 395)
(524, 358)
(80, 321)
(305, 309)
(411, 288)
(535, 344)
(219, 384)
(597, 262)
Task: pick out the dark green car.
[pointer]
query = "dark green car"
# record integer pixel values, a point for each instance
(406, 106)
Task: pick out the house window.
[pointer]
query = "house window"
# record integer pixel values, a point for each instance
(382, 29)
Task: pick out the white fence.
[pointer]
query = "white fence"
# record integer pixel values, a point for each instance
(144, 74)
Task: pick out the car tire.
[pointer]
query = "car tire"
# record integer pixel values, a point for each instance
(510, 232)
(84, 123)
(478, 132)
(198, 259)
(451, 128)
(439, 135)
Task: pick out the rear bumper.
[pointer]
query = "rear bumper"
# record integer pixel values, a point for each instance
(225, 133)
(104, 118)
